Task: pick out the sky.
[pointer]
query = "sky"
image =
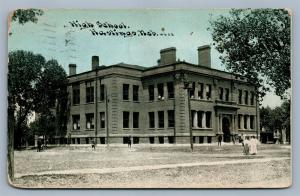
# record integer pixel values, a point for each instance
(53, 36)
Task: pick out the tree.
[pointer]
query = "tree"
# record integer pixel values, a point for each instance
(22, 16)
(24, 69)
(277, 118)
(34, 85)
(265, 117)
(52, 98)
(255, 43)
(26, 15)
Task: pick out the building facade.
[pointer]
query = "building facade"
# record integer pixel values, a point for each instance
(152, 104)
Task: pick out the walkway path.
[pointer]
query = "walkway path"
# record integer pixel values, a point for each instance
(148, 167)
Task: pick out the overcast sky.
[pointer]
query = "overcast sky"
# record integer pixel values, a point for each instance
(54, 37)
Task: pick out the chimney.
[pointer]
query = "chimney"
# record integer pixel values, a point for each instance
(167, 56)
(72, 69)
(95, 62)
(204, 56)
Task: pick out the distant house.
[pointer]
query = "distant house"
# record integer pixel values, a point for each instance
(150, 104)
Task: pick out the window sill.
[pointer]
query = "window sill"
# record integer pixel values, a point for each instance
(246, 129)
(205, 100)
(201, 128)
(246, 105)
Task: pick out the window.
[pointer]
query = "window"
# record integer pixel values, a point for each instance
(87, 140)
(171, 139)
(89, 92)
(102, 119)
(135, 140)
(160, 90)
(90, 121)
(151, 120)
(170, 86)
(201, 139)
(161, 123)
(251, 122)
(252, 98)
(192, 91)
(161, 140)
(135, 93)
(151, 92)
(125, 140)
(208, 91)
(200, 92)
(135, 120)
(171, 118)
(78, 140)
(102, 140)
(76, 122)
(151, 140)
(125, 119)
(239, 121)
(245, 122)
(199, 123)
(246, 97)
(76, 94)
(220, 93)
(102, 92)
(226, 94)
(209, 139)
(125, 91)
(208, 119)
(240, 96)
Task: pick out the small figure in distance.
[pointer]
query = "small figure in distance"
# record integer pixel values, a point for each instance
(39, 146)
(246, 146)
(129, 141)
(94, 144)
(219, 140)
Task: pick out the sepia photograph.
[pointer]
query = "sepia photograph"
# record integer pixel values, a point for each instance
(149, 98)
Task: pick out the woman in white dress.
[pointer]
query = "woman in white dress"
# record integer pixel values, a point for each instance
(253, 146)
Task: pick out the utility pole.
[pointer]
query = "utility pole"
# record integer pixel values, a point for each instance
(106, 116)
(187, 85)
(96, 106)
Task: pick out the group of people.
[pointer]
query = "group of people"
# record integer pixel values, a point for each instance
(250, 145)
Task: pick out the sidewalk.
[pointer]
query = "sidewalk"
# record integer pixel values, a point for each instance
(148, 167)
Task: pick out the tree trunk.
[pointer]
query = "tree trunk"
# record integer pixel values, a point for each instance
(10, 146)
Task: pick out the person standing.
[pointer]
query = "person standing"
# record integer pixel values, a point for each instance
(129, 141)
(39, 146)
(246, 146)
(219, 140)
(243, 139)
(253, 145)
(94, 144)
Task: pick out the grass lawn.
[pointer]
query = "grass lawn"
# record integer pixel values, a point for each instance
(29, 163)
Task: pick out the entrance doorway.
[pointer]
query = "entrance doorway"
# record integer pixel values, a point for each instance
(226, 129)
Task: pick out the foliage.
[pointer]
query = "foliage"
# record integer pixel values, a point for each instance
(277, 118)
(44, 125)
(34, 85)
(23, 16)
(255, 43)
